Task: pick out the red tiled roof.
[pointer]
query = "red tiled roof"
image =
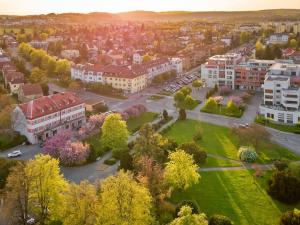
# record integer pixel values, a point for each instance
(49, 104)
(14, 77)
(32, 89)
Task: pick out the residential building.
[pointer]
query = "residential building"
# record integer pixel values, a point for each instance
(176, 65)
(28, 92)
(39, 44)
(281, 101)
(43, 117)
(137, 57)
(219, 70)
(127, 78)
(13, 80)
(70, 54)
(278, 38)
(249, 28)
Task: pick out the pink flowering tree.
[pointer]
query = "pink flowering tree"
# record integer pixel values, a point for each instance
(236, 100)
(225, 90)
(55, 143)
(125, 116)
(133, 111)
(74, 153)
(97, 120)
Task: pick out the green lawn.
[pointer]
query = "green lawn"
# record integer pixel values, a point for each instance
(219, 140)
(236, 194)
(134, 124)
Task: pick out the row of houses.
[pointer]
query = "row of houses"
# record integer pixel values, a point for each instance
(130, 79)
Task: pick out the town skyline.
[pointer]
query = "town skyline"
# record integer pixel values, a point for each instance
(17, 7)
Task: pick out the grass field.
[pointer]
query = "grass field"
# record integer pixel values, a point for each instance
(222, 110)
(220, 141)
(236, 194)
(134, 124)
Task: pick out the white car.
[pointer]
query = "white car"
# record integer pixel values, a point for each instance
(14, 154)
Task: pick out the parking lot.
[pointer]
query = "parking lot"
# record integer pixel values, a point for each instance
(178, 83)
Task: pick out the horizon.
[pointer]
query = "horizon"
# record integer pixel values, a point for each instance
(21, 8)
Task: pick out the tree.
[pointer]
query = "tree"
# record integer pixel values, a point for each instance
(43, 36)
(291, 217)
(81, 204)
(186, 90)
(179, 96)
(38, 76)
(114, 133)
(193, 149)
(151, 175)
(146, 58)
(255, 135)
(293, 43)
(244, 37)
(165, 115)
(5, 117)
(197, 84)
(128, 201)
(47, 188)
(54, 144)
(16, 197)
(219, 220)
(210, 105)
(232, 108)
(185, 217)
(189, 102)
(74, 153)
(268, 53)
(182, 114)
(284, 187)
(259, 50)
(148, 144)
(63, 67)
(180, 171)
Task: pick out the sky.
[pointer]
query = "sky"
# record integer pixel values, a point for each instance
(25, 7)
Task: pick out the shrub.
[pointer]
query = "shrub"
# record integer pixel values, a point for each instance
(182, 114)
(126, 160)
(232, 109)
(9, 140)
(219, 220)
(247, 154)
(290, 217)
(284, 187)
(210, 105)
(193, 149)
(110, 161)
(165, 115)
(193, 204)
(280, 165)
(198, 135)
(294, 168)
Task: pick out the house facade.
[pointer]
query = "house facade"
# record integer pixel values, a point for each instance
(43, 117)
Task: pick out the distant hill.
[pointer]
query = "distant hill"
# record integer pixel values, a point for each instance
(215, 16)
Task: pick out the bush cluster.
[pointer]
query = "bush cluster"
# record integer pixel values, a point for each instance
(247, 154)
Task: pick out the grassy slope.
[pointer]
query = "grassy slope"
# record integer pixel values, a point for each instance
(134, 124)
(236, 194)
(220, 141)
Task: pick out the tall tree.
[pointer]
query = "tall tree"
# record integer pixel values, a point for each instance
(47, 188)
(81, 204)
(181, 171)
(16, 198)
(151, 175)
(148, 143)
(38, 76)
(114, 133)
(123, 201)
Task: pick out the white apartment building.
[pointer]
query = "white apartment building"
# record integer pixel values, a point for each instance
(43, 117)
(87, 73)
(176, 65)
(70, 53)
(281, 101)
(278, 38)
(219, 70)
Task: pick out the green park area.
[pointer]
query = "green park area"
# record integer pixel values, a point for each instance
(236, 194)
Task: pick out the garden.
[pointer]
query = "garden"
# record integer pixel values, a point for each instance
(221, 101)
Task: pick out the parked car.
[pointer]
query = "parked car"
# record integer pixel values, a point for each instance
(14, 154)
